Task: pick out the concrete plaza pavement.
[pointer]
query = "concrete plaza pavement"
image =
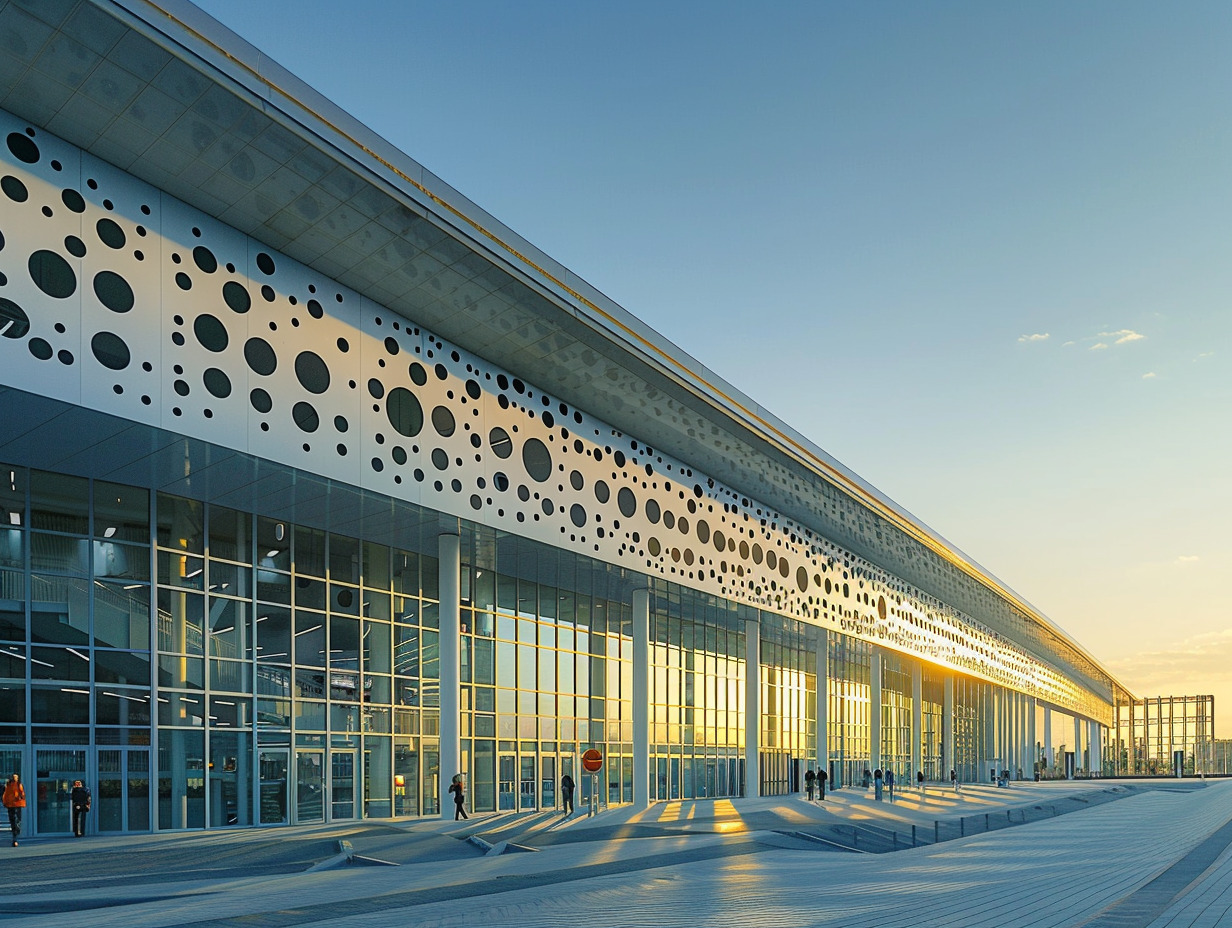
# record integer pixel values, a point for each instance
(1153, 854)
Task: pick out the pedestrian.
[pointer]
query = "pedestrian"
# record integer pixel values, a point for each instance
(867, 774)
(566, 793)
(80, 800)
(15, 801)
(459, 797)
(919, 781)
(810, 782)
(822, 776)
(954, 778)
(878, 783)
(889, 782)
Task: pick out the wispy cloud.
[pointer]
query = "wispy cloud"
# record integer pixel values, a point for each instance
(1150, 375)
(1122, 336)
(1205, 354)
(1200, 664)
(1188, 559)
(1068, 343)
(1037, 337)
(1098, 346)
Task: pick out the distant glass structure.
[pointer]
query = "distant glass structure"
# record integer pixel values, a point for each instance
(1165, 736)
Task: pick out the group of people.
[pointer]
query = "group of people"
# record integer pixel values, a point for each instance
(14, 800)
(883, 782)
(458, 789)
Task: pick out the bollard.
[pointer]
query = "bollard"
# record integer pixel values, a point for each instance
(985, 821)
(962, 827)
(914, 843)
(936, 832)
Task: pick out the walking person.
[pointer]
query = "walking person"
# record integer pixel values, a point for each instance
(954, 778)
(878, 783)
(889, 782)
(810, 783)
(919, 780)
(459, 797)
(80, 800)
(15, 802)
(566, 793)
(822, 776)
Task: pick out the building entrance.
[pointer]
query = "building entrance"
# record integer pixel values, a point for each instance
(121, 790)
(341, 785)
(55, 770)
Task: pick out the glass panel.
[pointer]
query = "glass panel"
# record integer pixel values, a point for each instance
(378, 784)
(526, 798)
(406, 778)
(55, 771)
(229, 534)
(230, 777)
(181, 622)
(230, 628)
(341, 785)
(122, 616)
(273, 544)
(180, 524)
(59, 554)
(274, 766)
(181, 779)
(121, 512)
(309, 551)
(109, 791)
(138, 790)
(309, 787)
(273, 629)
(12, 495)
(59, 503)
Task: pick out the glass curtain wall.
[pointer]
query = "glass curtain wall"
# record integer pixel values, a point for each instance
(697, 680)
(848, 707)
(788, 714)
(547, 673)
(896, 717)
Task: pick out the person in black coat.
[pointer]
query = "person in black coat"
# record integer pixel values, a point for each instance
(566, 793)
(457, 787)
(79, 799)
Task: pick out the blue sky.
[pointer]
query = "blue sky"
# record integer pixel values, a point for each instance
(978, 252)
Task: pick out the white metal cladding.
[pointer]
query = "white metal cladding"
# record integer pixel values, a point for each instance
(120, 298)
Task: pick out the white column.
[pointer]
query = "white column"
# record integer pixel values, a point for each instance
(874, 709)
(917, 723)
(947, 729)
(641, 699)
(752, 708)
(450, 579)
(1097, 760)
(1048, 758)
(1077, 743)
(1033, 752)
(823, 700)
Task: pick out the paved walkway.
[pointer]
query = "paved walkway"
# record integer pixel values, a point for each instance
(1158, 857)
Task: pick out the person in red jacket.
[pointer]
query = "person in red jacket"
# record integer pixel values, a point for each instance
(15, 801)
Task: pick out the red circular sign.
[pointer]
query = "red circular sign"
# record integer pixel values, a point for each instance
(592, 761)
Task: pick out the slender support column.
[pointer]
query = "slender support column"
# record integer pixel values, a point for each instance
(1077, 743)
(752, 708)
(947, 729)
(1048, 758)
(874, 709)
(1097, 760)
(1033, 749)
(450, 579)
(823, 700)
(917, 722)
(641, 699)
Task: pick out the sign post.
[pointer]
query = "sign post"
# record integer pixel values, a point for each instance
(592, 763)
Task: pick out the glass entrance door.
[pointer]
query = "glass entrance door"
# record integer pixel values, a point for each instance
(309, 787)
(55, 771)
(507, 783)
(526, 792)
(547, 782)
(274, 768)
(341, 785)
(122, 791)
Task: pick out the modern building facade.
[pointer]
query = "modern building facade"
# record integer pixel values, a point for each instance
(320, 485)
